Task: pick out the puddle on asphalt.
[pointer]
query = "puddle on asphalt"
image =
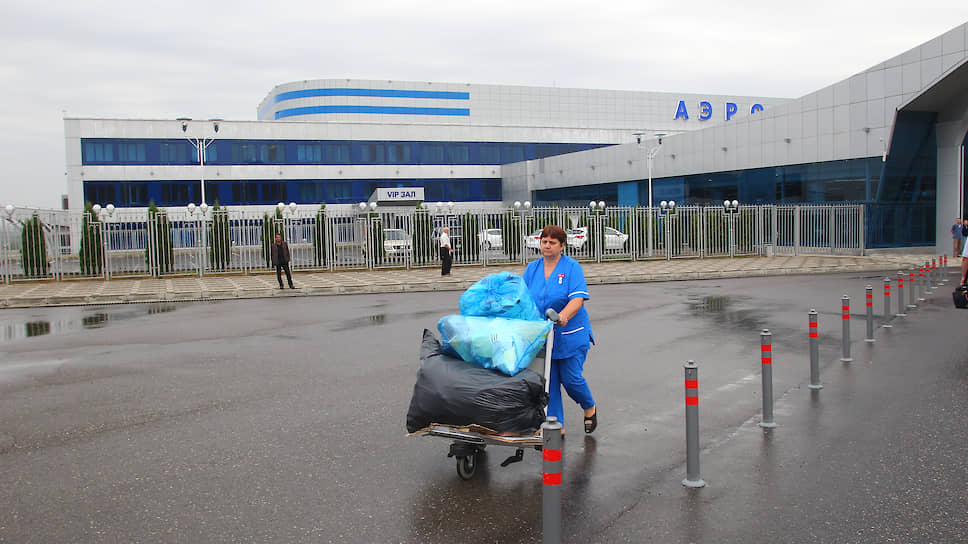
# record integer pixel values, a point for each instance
(378, 319)
(726, 310)
(63, 320)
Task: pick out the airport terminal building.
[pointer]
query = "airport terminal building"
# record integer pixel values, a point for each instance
(892, 137)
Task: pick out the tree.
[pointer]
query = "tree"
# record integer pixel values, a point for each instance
(33, 248)
(219, 239)
(159, 254)
(319, 236)
(470, 244)
(92, 243)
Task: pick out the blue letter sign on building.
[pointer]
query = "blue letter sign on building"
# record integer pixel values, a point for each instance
(705, 110)
(681, 110)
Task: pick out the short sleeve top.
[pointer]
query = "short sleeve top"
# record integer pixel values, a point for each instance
(566, 282)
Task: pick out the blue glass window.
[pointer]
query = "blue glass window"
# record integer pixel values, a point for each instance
(131, 152)
(312, 192)
(459, 154)
(513, 153)
(176, 194)
(311, 153)
(339, 191)
(399, 153)
(272, 153)
(371, 153)
(490, 154)
(337, 153)
(432, 154)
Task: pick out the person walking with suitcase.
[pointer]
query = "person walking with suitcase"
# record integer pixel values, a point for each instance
(957, 237)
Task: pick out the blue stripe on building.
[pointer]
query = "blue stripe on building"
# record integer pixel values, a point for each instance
(393, 110)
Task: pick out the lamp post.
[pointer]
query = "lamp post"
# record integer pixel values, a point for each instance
(652, 153)
(200, 145)
(103, 215)
(667, 209)
(201, 234)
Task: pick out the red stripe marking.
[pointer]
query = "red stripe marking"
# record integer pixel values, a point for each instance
(846, 316)
(551, 455)
(551, 479)
(692, 384)
(813, 335)
(813, 324)
(766, 360)
(766, 347)
(692, 401)
(869, 304)
(845, 308)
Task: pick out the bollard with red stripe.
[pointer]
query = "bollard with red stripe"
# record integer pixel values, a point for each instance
(911, 286)
(814, 351)
(766, 363)
(845, 309)
(927, 278)
(870, 314)
(944, 268)
(692, 426)
(900, 295)
(551, 477)
(887, 304)
(934, 273)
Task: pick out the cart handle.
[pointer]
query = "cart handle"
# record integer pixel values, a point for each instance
(551, 314)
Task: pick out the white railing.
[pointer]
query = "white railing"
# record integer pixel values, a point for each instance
(58, 245)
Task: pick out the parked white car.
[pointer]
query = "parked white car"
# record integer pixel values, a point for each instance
(491, 239)
(533, 240)
(614, 239)
(396, 242)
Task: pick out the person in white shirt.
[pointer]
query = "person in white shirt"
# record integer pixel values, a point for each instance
(446, 252)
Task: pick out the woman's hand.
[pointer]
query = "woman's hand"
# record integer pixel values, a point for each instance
(562, 321)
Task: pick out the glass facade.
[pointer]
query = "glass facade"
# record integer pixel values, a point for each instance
(900, 188)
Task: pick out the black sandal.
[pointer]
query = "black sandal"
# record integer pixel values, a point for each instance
(591, 422)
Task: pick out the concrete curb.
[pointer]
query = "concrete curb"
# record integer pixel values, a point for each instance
(384, 286)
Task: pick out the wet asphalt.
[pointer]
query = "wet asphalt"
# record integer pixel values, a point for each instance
(282, 420)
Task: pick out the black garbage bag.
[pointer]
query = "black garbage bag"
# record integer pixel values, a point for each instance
(450, 391)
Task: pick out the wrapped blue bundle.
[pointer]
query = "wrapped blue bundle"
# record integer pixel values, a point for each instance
(506, 345)
(500, 295)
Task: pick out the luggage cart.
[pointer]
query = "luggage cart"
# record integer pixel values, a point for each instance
(468, 442)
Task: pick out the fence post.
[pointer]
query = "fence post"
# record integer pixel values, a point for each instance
(766, 363)
(692, 426)
(551, 478)
(845, 308)
(814, 351)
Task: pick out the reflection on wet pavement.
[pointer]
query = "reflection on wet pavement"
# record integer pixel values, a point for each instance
(75, 319)
(723, 308)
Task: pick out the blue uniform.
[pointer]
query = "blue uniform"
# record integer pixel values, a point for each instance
(572, 341)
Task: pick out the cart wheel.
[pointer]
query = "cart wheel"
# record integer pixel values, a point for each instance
(466, 466)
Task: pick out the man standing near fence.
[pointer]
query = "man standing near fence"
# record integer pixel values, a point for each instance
(957, 237)
(446, 252)
(279, 253)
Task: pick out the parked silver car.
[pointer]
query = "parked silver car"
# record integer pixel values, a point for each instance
(578, 237)
(491, 239)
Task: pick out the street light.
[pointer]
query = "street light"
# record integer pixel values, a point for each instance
(200, 145)
(652, 153)
(731, 208)
(668, 207)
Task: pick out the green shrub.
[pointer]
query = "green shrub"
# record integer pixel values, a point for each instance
(92, 243)
(219, 239)
(33, 248)
(159, 254)
(319, 237)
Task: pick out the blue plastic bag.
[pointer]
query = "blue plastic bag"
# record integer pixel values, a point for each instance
(500, 295)
(507, 345)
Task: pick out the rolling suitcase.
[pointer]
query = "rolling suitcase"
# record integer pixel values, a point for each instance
(960, 296)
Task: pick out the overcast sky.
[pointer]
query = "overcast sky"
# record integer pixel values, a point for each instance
(203, 59)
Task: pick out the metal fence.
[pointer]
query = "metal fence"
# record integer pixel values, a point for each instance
(59, 245)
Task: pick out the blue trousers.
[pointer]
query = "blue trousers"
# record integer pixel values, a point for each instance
(567, 373)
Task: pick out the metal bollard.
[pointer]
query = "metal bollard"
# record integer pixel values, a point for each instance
(845, 308)
(927, 278)
(887, 304)
(911, 287)
(551, 477)
(870, 314)
(920, 284)
(944, 269)
(766, 360)
(936, 263)
(692, 426)
(814, 351)
(900, 295)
